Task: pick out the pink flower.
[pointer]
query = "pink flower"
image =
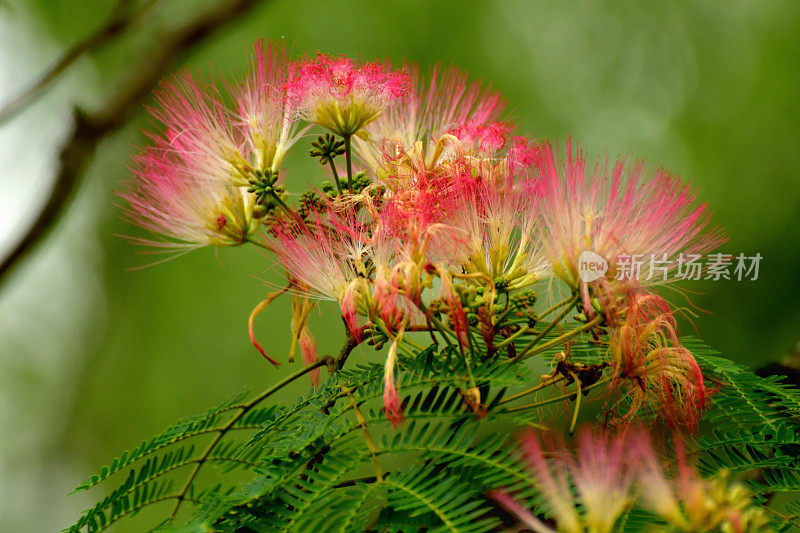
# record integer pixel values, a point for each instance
(481, 138)
(324, 255)
(495, 220)
(182, 188)
(598, 470)
(687, 501)
(416, 132)
(167, 200)
(191, 185)
(621, 211)
(589, 488)
(652, 371)
(344, 95)
(262, 106)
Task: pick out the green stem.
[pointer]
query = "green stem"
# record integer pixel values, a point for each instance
(556, 306)
(443, 329)
(282, 203)
(550, 326)
(543, 384)
(577, 402)
(260, 245)
(560, 338)
(348, 156)
(335, 175)
(557, 398)
(522, 331)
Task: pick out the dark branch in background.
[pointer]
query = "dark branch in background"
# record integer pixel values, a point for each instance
(90, 129)
(122, 17)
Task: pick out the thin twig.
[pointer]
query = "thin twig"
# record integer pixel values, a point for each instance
(121, 18)
(91, 129)
(561, 338)
(544, 383)
(556, 398)
(552, 324)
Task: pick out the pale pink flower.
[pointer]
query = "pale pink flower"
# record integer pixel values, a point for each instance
(688, 502)
(262, 107)
(618, 211)
(598, 471)
(344, 95)
(603, 478)
(191, 185)
(325, 255)
(415, 133)
(495, 220)
(168, 202)
(183, 188)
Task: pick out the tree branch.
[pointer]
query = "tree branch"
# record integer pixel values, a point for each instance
(121, 18)
(90, 130)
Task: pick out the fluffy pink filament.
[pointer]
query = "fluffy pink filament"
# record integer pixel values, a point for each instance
(360, 91)
(651, 368)
(263, 109)
(441, 103)
(308, 351)
(617, 210)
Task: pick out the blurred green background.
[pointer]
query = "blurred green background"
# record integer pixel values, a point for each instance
(95, 357)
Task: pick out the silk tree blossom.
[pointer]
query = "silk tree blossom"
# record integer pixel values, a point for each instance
(416, 132)
(183, 187)
(688, 502)
(651, 370)
(191, 186)
(344, 95)
(325, 262)
(587, 489)
(616, 211)
(169, 202)
(495, 219)
(262, 106)
(597, 472)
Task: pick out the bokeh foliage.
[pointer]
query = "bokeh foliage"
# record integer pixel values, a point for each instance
(707, 89)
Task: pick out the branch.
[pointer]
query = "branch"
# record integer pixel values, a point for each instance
(121, 18)
(91, 129)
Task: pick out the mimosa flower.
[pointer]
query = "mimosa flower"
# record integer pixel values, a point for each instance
(495, 219)
(598, 471)
(588, 489)
(192, 185)
(263, 109)
(688, 502)
(344, 95)
(169, 202)
(619, 211)
(652, 371)
(479, 138)
(415, 133)
(324, 260)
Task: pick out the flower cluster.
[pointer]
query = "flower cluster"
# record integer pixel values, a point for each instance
(449, 225)
(589, 489)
